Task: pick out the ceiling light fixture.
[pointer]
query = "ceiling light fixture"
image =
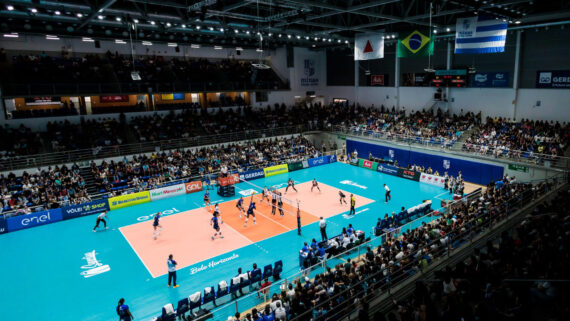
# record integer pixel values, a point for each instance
(118, 19)
(168, 24)
(152, 23)
(218, 47)
(99, 17)
(57, 12)
(10, 8)
(34, 10)
(79, 15)
(87, 39)
(11, 35)
(183, 26)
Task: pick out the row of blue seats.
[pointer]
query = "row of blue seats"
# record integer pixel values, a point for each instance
(237, 284)
(402, 217)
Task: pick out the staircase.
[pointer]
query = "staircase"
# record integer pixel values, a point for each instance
(85, 172)
(459, 143)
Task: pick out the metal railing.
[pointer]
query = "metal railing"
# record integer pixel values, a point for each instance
(82, 156)
(466, 149)
(58, 89)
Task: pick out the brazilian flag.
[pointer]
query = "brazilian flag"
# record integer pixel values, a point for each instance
(415, 44)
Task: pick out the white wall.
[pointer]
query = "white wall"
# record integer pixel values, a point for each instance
(77, 46)
(490, 101)
(554, 104)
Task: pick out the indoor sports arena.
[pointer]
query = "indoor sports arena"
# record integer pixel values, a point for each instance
(284, 160)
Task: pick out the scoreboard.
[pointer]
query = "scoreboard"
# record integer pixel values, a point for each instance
(450, 78)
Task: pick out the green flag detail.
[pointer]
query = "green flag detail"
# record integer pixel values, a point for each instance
(414, 44)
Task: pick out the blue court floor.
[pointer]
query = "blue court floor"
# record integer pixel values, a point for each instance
(65, 272)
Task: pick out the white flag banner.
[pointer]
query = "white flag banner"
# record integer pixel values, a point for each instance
(370, 46)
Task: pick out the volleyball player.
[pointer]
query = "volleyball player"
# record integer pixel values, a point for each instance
(280, 204)
(273, 201)
(207, 202)
(156, 226)
(290, 183)
(315, 184)
(239, 206)
(250, 212)
(215, 222)
(101, 218)
(342, 197)
(265, 194)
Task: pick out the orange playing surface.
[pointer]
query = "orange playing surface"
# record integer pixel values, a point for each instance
(187, 235)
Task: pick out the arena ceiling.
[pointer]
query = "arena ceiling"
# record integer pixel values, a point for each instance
(306, 23)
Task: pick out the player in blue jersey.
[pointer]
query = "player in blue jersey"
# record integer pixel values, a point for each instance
(250, 212)
(207, 202)
(215, 223)
(239, 206)
(156, 225)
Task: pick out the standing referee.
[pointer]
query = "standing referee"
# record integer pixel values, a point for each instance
(172, 271)
(323, 227)
(352, 205)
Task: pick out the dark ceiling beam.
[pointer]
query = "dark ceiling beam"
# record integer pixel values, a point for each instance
(95, 12)
(335, 10)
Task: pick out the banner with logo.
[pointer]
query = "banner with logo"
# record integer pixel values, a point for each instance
(368, 164)
(253, 174)
(33, 219)
(275, 170)
(3, 226)
(355, 161)
(490, 79)
(388, 169)
(432, 180)
(318, 161)
(310, 76)
(228, 180)
(369, 46)
(192, 187)
(94, 207)
(114, 98)
(553, 79)
(378, 80)
(129, 200)
(295, 166)
(409, 174)
(332, 158)
(166, 192)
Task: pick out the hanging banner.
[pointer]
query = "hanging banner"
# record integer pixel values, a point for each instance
(490, 79)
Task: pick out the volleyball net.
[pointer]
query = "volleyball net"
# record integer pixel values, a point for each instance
(264, 203)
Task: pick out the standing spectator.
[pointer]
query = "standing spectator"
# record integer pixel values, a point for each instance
(172, 271)
(323, 227)
(280, 313)
(123, 311)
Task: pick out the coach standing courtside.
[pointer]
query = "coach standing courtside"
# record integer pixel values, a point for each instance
(172, 271)
(323, 227)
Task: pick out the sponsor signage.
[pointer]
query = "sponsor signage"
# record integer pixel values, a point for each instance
(305, 164)
(518, 168)
(295, 166)
(490, 79)
(275, 170)
(192, 187)
(84, 209)
(388, 169)
(332, 158)
(3, 226)
(309, 77)
(409, 174)
(368, 164)
(165, 192)
(318, 161)
(93, 266)
(253, 174)
(432, 179)
(129, 200)
(43, 100)
(228, 180)
(114, 99)
(354, 161)
(553, 79)
(33, 219)
(377, 80)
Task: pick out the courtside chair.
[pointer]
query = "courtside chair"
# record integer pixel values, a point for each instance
(209, 295)
(222, 289)
(234, 286)
(182, 308)
(267, 271)
(255, 277)
(168, 313)
(195, 301)
(244, 280)
(277, 269)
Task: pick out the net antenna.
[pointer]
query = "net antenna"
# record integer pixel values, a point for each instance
(260, 64)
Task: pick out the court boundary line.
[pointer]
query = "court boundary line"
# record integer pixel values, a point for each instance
(229, 226)
(132, 247)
